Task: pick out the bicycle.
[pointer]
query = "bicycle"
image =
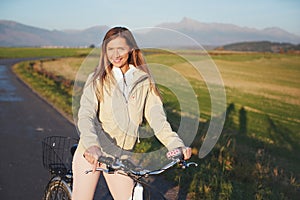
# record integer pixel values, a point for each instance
(127, 168)
(58, 152)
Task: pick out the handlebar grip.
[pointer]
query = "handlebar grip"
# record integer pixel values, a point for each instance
(105, 160)
(175, 153)
(129, 164)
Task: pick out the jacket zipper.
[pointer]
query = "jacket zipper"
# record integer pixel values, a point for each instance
(142, 78)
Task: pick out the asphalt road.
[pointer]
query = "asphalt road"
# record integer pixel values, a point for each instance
(25, 119)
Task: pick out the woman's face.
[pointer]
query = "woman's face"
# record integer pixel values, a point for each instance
(118, 53)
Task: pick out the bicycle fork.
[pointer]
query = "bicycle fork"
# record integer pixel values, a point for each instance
(137, 192)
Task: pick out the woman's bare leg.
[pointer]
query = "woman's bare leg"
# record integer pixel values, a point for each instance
(84, 185)
(120, 186)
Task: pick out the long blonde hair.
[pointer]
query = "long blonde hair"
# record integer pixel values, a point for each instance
(103, 72)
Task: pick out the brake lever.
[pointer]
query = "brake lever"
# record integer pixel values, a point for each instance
(99, 169)
(185, 164)
(116, 164)
(192, 164)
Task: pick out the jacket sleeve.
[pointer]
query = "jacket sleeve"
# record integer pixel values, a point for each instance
(156, 117)
(87, 115)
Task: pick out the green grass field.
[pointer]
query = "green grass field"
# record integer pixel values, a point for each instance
(6, 52)
(256, 156)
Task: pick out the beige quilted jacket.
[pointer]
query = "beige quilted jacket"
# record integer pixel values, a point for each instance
(121, 117)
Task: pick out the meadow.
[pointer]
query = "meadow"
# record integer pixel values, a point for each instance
(256, 156)
(7, 52)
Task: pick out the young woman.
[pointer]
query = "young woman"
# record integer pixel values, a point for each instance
(119, 94)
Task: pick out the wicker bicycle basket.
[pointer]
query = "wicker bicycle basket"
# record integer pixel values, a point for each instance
(57, 156)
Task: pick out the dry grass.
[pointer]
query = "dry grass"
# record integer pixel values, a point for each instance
(268, 78)
(66, 67)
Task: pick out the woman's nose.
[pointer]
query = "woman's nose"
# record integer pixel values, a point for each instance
(116, 53)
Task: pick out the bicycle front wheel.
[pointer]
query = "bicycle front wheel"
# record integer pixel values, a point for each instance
(58, 189)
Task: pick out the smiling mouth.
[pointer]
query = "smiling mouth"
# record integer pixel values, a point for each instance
(117, 60)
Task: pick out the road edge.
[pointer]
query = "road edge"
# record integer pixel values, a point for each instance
(11, 68)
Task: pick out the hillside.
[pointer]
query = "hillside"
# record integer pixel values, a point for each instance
(263, 46)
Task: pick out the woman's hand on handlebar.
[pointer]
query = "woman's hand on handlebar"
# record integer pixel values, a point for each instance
(182, 153)
(187, 153)
(92, 154)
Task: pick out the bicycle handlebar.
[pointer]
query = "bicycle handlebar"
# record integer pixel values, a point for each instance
(128, 167)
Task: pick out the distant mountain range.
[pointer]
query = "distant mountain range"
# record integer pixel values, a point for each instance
(212, 34)
(16, 34)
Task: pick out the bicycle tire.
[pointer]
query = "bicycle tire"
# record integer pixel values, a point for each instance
(58, 189)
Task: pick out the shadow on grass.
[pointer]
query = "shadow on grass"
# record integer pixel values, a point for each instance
(241, 166)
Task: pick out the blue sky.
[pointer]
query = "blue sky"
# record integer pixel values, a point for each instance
(80, 14)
